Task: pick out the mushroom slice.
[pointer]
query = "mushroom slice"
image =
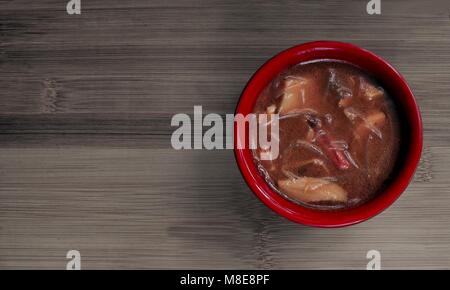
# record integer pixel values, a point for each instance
(310, 189)
(342, 86)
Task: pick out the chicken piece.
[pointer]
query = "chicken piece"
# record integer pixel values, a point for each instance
(299, 93)
(370, 92)
(310, 135)
(352, 114)
(266, 121)
(309, 189)
(372, 123)
(345, 102)
(376, 119)
(271, 109)
(293, 95)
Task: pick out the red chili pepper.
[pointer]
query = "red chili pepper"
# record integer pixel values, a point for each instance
(336, 156)
(325, 142)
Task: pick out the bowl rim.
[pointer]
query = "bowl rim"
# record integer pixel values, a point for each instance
(320, 218)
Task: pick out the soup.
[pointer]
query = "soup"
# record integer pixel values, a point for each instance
(339, 135)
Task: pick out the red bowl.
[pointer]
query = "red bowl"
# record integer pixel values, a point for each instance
(398, 89)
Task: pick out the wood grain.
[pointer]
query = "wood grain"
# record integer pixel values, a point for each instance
(85, 156)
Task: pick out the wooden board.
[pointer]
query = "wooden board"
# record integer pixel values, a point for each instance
(85, 156)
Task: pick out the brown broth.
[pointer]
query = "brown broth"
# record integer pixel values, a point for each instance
(339, 135)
